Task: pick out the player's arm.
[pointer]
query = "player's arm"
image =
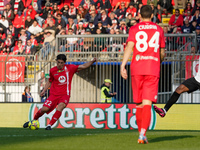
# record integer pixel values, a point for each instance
(162, 54)
(47, 85)
(86, 65)
(127, 54)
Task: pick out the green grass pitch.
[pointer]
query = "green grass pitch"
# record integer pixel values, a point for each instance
(96, 139)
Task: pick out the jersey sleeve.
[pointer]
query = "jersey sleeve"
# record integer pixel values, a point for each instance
(50, 76)
(73, 68)
(162, 39)
(131, 36)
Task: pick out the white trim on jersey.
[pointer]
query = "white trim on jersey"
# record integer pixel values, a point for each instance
(67, 75)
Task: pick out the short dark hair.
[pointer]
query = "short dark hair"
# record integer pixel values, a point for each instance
(146, 11)
(61, 57)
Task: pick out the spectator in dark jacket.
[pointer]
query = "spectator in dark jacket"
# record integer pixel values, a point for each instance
(60, 21)
(26, 96)
(103, 5)
(17, 5)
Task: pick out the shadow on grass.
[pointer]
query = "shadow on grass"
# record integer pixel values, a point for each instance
(169, 138)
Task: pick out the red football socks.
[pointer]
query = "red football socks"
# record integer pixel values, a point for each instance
(138, 115)
(38, 114)
(146, 118)
(55, 117)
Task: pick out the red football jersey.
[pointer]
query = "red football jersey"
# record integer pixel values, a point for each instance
(61, 79)
(148, 38)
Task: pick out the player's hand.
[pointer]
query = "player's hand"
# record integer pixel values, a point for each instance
(124, 73)
(114, 93)
(42, 93)
(94, 59)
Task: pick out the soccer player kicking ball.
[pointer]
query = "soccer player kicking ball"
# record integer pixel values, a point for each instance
(60, 87)
(146, 40)
(190, 85)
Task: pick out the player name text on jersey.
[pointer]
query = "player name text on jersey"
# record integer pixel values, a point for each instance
(141, 27)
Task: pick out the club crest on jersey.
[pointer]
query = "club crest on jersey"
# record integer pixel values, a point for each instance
(137, 57)
(62, 79)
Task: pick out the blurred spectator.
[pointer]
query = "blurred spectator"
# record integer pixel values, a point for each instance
(95, 17)
(8, 13)
(49, 37)
(28, 22)
(81, 13)
(30, 12)
(118, 6)
(130, 20)
(112, 17)
(188, 16)
(34, 28)
(9, 41)
(114, 43)
(91, 26)
(123, 28)
(188, 7)
(99, 42)
(87, 3)
(154, 2)
(166, 6)
(175, 21)
(71, 42)
(23, 36)
(3, 25)
(19, 48)
(131, 10)
(105, 19)
(187, 27)
(30, 49)
(18, 22)
(43, 16)
(168, 40)
(80, 29)
(155, 12)
(114, 25)
(197, 16)
(72, 25)
(12, 30)
(121, 12)
(197, 6)
(33, 40)
(100, 26)
(103, 4)
(88, 42)
(65, 13)
(140, 4)
(198, 38)
(73, 12)
(4, 51)
(18, 6)
(47, 21)
(194, 25)
(26, 96)
(60, 21)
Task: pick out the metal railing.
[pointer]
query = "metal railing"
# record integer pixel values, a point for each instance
(86, 83)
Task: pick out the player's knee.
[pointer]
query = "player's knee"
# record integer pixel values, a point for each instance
(181, 89)
(61, 106)
(44, 109)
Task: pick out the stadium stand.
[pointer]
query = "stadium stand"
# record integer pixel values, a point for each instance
(31, 19)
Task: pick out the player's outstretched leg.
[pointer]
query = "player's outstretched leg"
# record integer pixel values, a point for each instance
(26, 124)
(142, 139)
(160, 111)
